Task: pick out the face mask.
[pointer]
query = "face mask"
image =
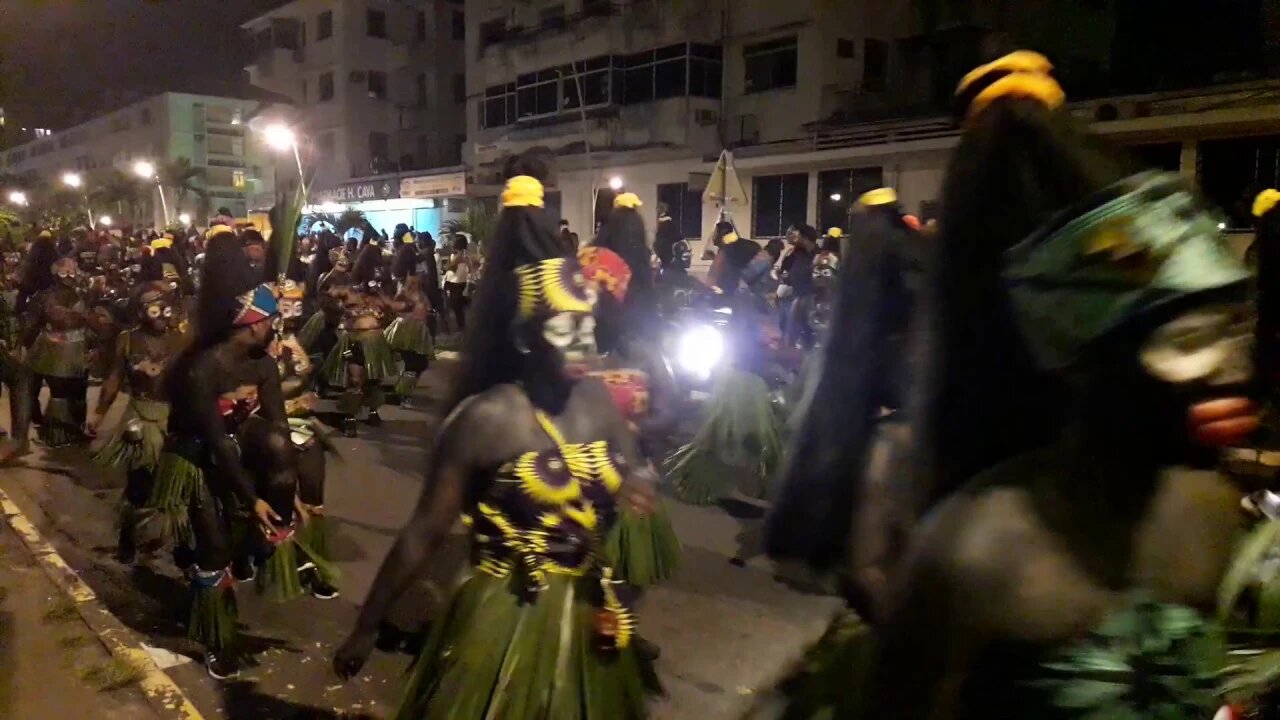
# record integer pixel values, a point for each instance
(571, 335)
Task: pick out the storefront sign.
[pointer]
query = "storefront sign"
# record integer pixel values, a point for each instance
(434, 186)
(360, 192)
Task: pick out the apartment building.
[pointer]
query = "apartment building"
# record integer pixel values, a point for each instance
(211, 132)
(819, 100)
(378, 95)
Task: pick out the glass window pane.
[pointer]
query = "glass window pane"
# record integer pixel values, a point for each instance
(669, 79)
(639, 85)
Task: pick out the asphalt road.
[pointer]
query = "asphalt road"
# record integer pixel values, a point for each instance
(727, 630)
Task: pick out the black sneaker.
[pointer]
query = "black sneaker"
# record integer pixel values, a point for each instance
(221, 664)
(244, 570)
(349, 428)
(374, 419)
(322, 590)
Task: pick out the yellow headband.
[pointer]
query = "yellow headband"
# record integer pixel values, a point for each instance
(729, 238)
(879, 196)
(45, 234)
(407, 239)
(1019, 61)
(834, 232)
(218, 230)
(1037, 87)
(522, 191)
(553, 286)
(1266, 200)
(161, 242)
(627, 200)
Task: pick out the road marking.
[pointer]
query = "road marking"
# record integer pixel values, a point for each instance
(164, 695)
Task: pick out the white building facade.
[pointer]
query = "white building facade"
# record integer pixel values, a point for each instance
(211, 132)
(810, 95)
(377, 88)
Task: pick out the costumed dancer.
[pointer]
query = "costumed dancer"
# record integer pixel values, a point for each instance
(408, 335)
(309, 442)
(56, 329)
(320, 333)
(228, 460)
(14, 374)
(137, 367)
(644, 549)
(362, 359)
(1093, 325)
(540, 628)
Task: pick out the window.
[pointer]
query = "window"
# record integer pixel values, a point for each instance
(769, 65)
(779, 202)
(538, 94)
(459, 88)
(875, 64)
(379, 146)
(459, 25)
(421, 26)
(420, 85)
(325, 23)
(596, 7)
(492, 32)
(844, 48)
(326, 86)
(145, 116)
(304, 92)
(375, 23)
(327, 143)
(593, 78)
(704, 70)
(838, 190)
(378, 84)
(684, 206)
(499, 106)
(237, 179)
(552, 17)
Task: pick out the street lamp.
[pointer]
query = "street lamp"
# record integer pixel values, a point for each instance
(105, 221)
(835, 197)
(282, 138)
(147, 171)
(184, 218)
(72, 180)
(17, 197)
(615, 183)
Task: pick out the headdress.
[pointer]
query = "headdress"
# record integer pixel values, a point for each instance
(290, 290)
(166, 241)
(1022, 73)
(835, 232)
(408, 238)
(627, 200)
(553, 286)
(1135, 247)
(605, 269)
(879, 196)
(522, 191)
(218, 229)
(1265, 200)
(256, 305)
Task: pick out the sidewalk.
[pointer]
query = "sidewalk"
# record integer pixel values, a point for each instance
(51, 664)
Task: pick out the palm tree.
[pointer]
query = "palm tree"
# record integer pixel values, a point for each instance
(120, 193)
(182, 179)
(479, 222)
(341, 223)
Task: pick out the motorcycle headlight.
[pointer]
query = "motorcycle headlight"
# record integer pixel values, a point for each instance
(699, 349)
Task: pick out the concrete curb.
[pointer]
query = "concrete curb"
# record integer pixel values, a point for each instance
(165, 697)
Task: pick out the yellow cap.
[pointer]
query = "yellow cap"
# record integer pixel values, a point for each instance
(162, 242)
(522, 191)
(1266, 200)
(879, 196)
(627, 200)
(835, 232)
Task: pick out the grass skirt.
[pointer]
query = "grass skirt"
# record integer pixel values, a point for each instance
(139, 438)
(311, 330)
(214, 613)
(60, 427)
(177, 479)
(59, 358)
(739, 446)
(316, 537)
(643, 550)
(406, 335)
(831, 681)
(492, 655)
(370, 347)
(279, 578)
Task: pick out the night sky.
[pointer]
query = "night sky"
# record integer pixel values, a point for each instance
(64, 61)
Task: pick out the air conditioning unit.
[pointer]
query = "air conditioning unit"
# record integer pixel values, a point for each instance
(357, 76)
(706, 117)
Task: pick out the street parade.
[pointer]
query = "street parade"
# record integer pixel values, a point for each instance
(806, 444)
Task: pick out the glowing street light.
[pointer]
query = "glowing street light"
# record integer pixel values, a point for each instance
(144, 169)
(17, 197)
(105, 221)
(835, 197)
(615, 183)
(184, 218)
(282, 138)
(72, 180)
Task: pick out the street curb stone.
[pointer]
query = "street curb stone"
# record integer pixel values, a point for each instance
(162, 693)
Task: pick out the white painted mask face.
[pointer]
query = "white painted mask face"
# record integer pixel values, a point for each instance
(1209, 346)
(573, 335)
(290, 309)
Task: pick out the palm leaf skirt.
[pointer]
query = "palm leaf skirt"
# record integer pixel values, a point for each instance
(492, 655)
(177, 479)
(138, 440)
(831, 681)
(58, 358)
(311, 330)
(644, 550)
(408, 335)
(738, 446)
(378, 360)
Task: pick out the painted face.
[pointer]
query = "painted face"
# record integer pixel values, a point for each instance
(158, 314)
(290, 314)
(65, 271)
(682, 254)
(825, 269)
(571, 335)
(1209, 347)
